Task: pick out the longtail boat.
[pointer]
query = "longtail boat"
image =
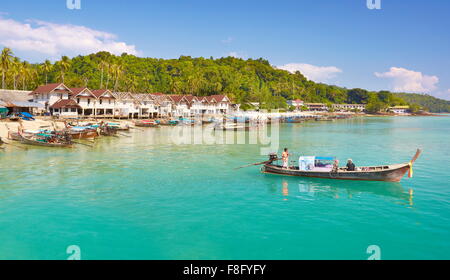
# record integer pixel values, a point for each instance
(107, 130)
(146, 123)
(387, 173)
(119, 127)
(46, 140)
(232, 127)
(85, 133)
(169, 122)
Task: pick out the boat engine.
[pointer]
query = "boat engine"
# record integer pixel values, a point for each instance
(273, 157)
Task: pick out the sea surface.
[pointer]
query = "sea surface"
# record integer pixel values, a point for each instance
(145, 197)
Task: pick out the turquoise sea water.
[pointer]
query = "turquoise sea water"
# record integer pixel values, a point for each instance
(140, 198)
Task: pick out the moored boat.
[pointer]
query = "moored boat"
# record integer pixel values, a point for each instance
(119, 127)
(169, 122)
(47, 140)
(231, 127)
(83, 133)
(388, 173)
(146, 123)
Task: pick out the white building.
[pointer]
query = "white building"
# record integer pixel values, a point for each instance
(223, 105)
(297, 103)
(73, 102)
(399, 110)
(349, 107)
(180, 106)
(165, 105)
(317, 107)
(148, 107)
(86, 99)
(49, 94)
(106, 102)
(126, 105)
(66, 108)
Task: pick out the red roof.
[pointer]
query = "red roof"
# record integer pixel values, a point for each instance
(211, 98)
(190, 98)
(219, 97)
(65, 103)
(49, 88)
(100, 92)
(176, 98)
(76, 91)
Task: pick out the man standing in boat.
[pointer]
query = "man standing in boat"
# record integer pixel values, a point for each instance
(285, 158)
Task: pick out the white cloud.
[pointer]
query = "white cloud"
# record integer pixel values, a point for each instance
(59, 39)
(404, 80)
(319, 74)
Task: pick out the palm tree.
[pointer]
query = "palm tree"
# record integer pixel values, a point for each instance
(102, 66)
(46, 68)
(117, 71)
(25, 72)
(5, 62)
(64, 65)
(15, 71)
(109, 72)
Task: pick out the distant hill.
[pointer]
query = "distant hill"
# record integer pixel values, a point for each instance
(426, 101)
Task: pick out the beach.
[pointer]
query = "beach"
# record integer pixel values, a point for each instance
(43, 123)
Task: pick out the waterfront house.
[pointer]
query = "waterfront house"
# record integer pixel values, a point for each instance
(164, 103)
(317, 107)
(67, 108)
(297, 103)
(399, 110)
(86, 99)
(148, 107)
(49, 94)
(223, 104)
(197, 105)
(126, 105)
(181, 106)
(105, 104)
(349, 107)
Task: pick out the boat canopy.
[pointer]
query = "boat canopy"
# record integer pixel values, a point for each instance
(325, 158)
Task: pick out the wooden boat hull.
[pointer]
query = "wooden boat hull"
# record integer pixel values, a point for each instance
(146, 124)
(88, 134)
(392, 173)
(44, 144)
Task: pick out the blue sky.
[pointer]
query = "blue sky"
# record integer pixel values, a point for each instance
(402, 47)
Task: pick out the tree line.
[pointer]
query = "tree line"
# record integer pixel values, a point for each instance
(244, 81)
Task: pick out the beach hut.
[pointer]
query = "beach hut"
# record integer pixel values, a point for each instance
(3, 111)
(18, 101)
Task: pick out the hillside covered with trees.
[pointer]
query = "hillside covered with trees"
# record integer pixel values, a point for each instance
(427, 102)
(244, 81)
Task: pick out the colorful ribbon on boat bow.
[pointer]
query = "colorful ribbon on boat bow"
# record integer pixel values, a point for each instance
(411, 172)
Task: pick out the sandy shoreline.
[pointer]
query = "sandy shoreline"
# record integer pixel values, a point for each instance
(41, 123)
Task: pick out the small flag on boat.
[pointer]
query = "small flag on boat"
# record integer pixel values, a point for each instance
(411, 172)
